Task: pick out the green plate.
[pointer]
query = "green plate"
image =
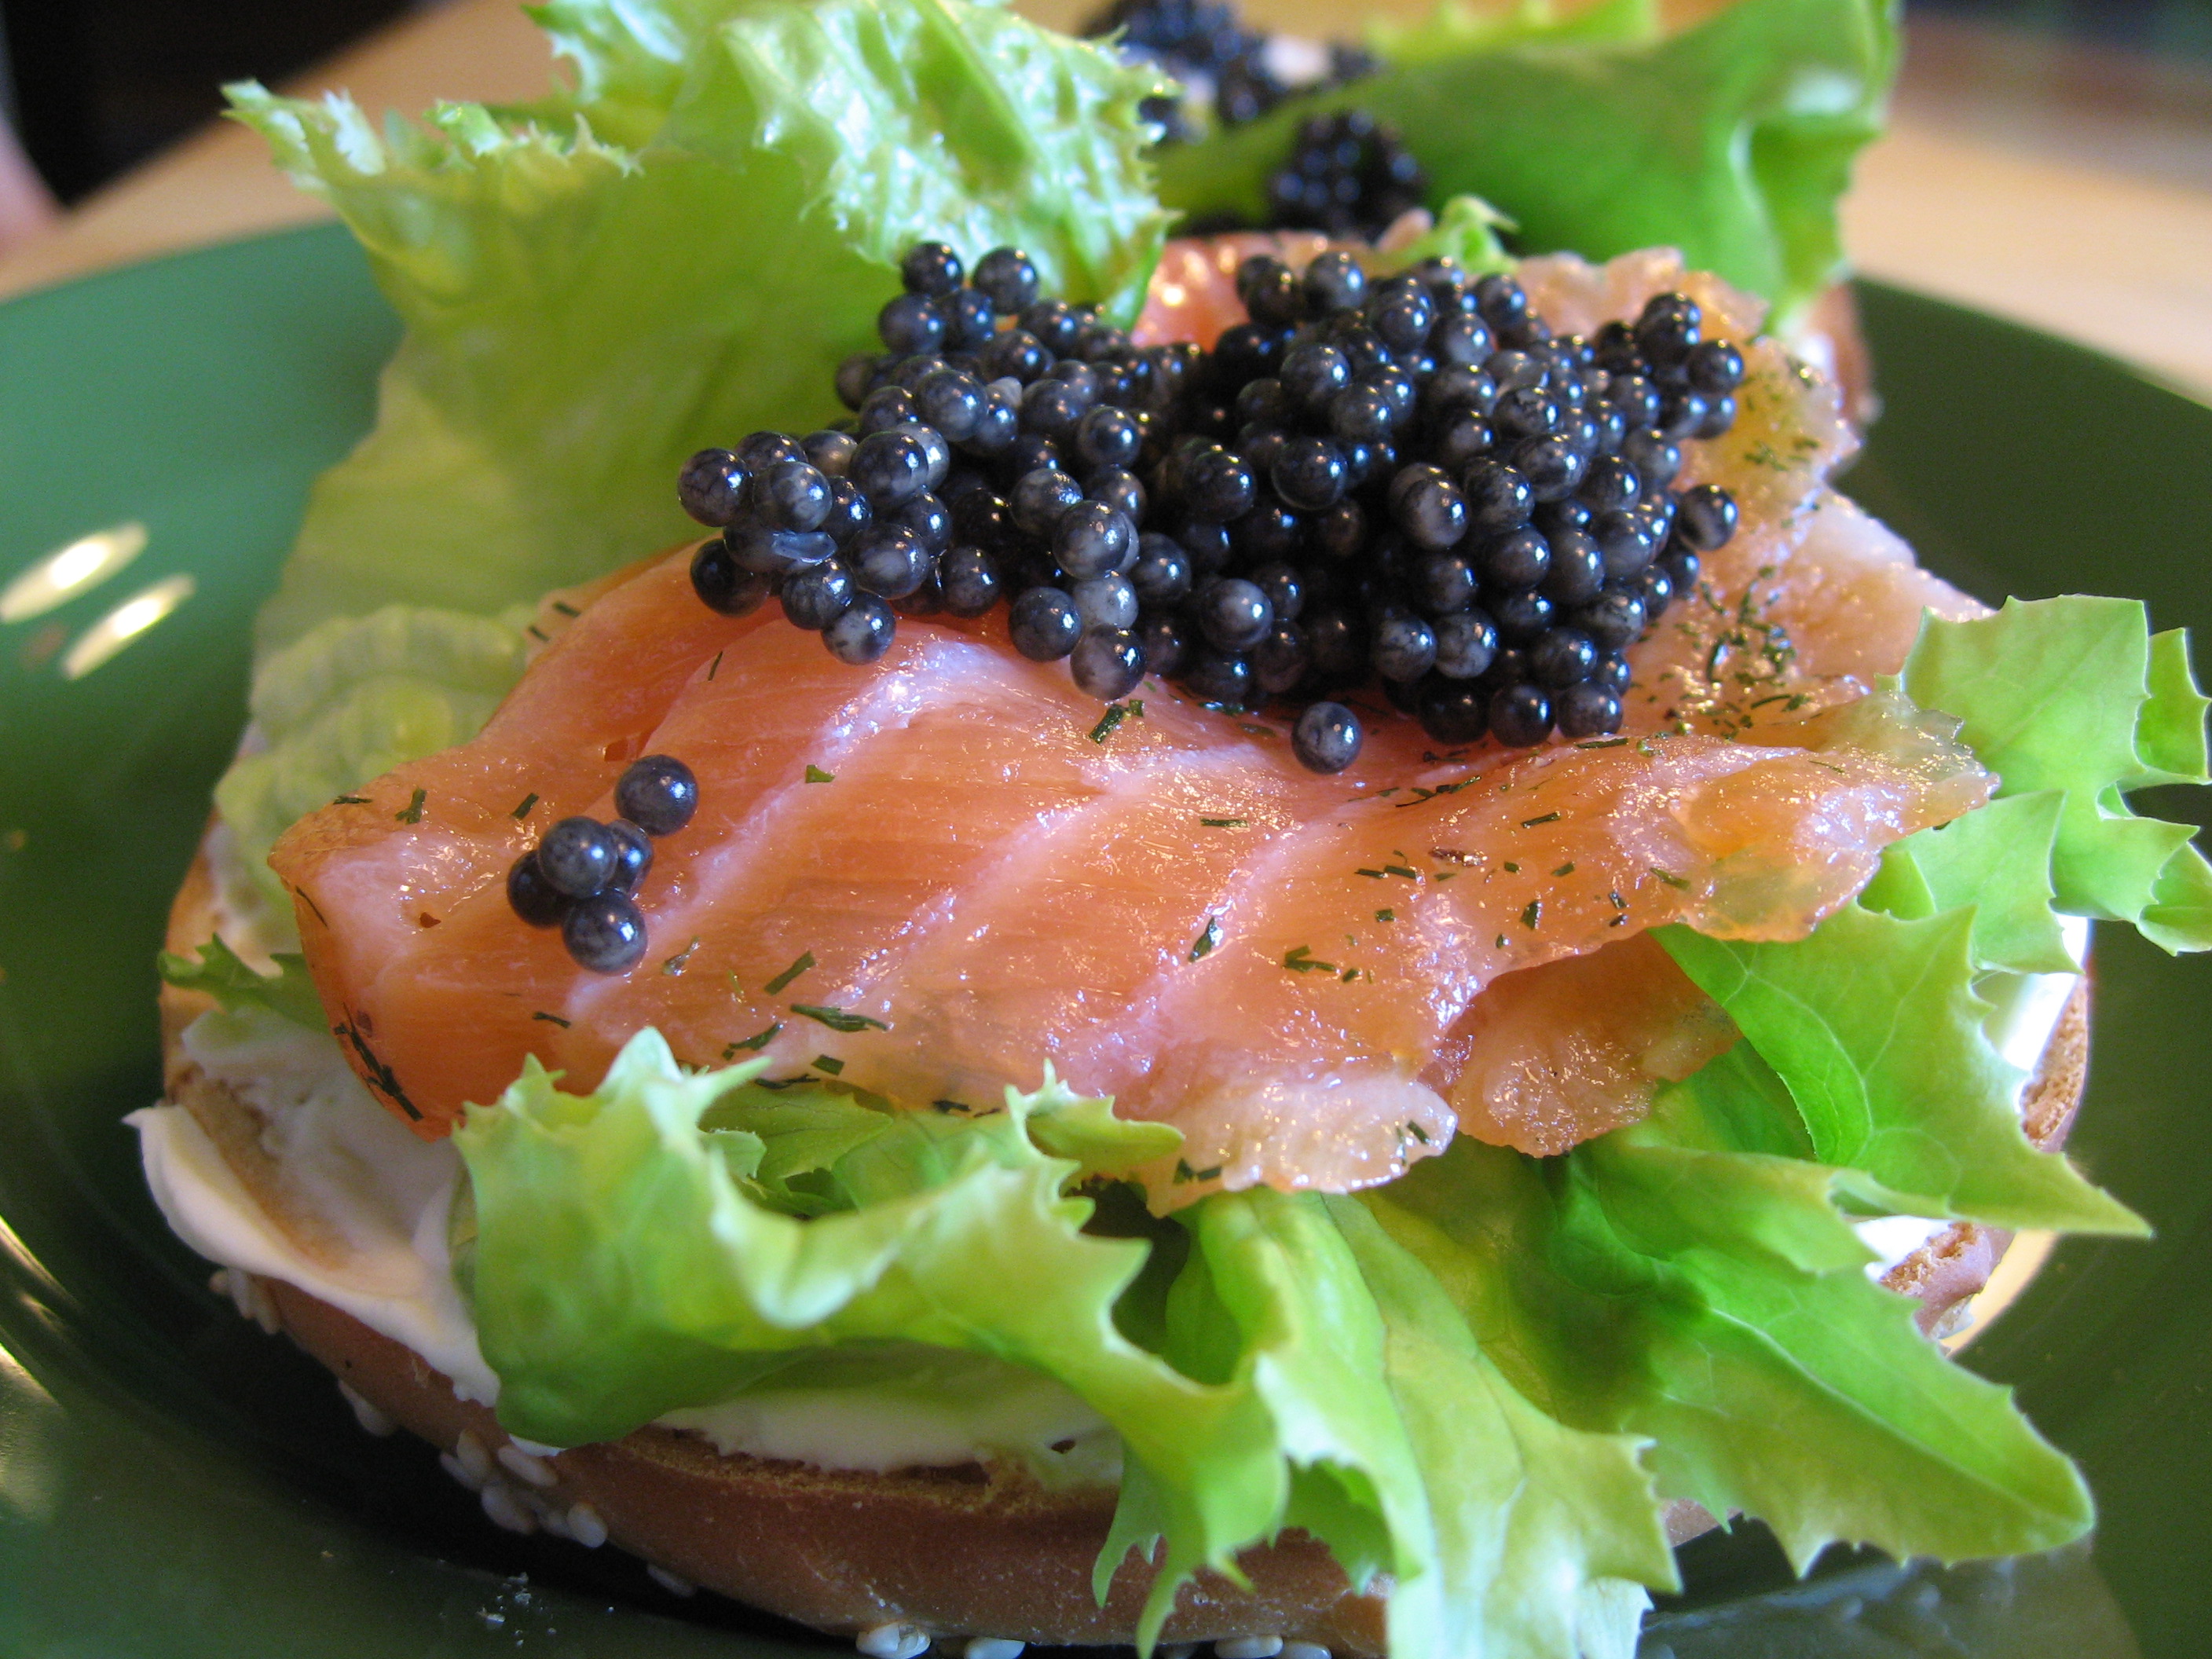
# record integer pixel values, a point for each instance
(172, 1483)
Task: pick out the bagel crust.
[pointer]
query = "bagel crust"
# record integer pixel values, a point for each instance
(962, 1551)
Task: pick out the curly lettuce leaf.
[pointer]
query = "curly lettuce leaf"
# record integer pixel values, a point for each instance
(1455, 28)
(1995, 859)
(675, 253)
(2074, 695)
(220, 973)
(1732, 140)
(355, 697)
(1713, 1300)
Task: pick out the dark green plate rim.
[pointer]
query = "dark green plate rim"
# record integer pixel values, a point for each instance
(172, 1483)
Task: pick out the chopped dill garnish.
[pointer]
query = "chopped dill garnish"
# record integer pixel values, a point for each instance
(1619, 902)
(1501, 941)
(1402, 870)
(1533, 915)
(522, 807)
(756, 1043)
(1548, 818)
(1224, 824)
(836, 1018)
(829, 1063)
(775, 986)
(565, 609)
(551, 1019)
(412, 812)
(674, 965)
(815, 775)
(1671, 879)
(1377, 874)
(351, 800)
(1208, 937)
(1386, 916)
(1566, 869)
(1184, 1173)
(1303, 961)
(1510, 868)
(1115, 713)
(1603, 742)
(713, 666)
(1418, 1132)
(960, 1106)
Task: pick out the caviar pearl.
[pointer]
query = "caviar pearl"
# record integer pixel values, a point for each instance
(969, 581)
(1108, 602)
(1092, 538)
(1008, 278)
(1327, 737)
(1588, 710)
(888, 560)
(576, 857)
(1162, 573)
(1453, 711)
(814, 599)
(722, 584)
(1706, 517)
(712, 487)
(1219, 677)
(1404, 647)
(605, 933)
(535, 900)
(1234, 614)
(658, 793)
(864, 632)
(1045, 624)
(1467, 643)
(1109, 662)
(1520, 716)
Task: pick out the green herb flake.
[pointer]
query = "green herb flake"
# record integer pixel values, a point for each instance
(551, 1019)
(1671, 879)
(960, 1107)
(715, 666)
(674, 965)
(756, 1043)
(412, 812)
(1533, 915)
(1619, 902)
(1402, 870)
(1224, 824)
(522, 807)
(1115, 713)
(1510, 868)
(1209, 936)
(351, 800)
(829, 1063)
(1566, 869)
(1376, 874)
(1418, 1132)
(815, 775)
(775, 986)
(1386, 916)
(1603, 742)
(565, 609)
(1501, 941)
(1303, 961)
(1548, 818)
(836, 1018)
(1184, 1173)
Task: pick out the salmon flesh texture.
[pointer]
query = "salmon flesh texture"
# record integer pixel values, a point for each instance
(1316, 979)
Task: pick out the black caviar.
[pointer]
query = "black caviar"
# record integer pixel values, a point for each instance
(583, 875)
(1227, 70)
(1402, 482)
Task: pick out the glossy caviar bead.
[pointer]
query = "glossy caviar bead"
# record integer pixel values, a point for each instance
(1309, 475)
(1089, 539)
(1466, 644)
(829, 453)
(1588, 710)
(971, 321)
(1279, 661)
(712, 487)
(1453, 711)
(793, 495)
(1337, 643)
(658, 793)
(1340, 532)
(1404, 647)
(890, 467)
(815, 597)
(1332, 281)
(1162, 574)
(930, 268)
(1656, 589)
(1520, 716)
(855, 377)
(864, 632)
(1269, 290)
(1715, 367)
(1044, 624)
(886, 407)
(1107, 601)
(1562, 657)
(969, 581)
(605, 933)
(1284, 590)
(1219, 677)
(576, 857)
(632, 856)
(1233, 615)
(1614, 620)
(724, 585)
(536, 900)
(1705, 518)
(1428, 508)
(1327, 737)
(1498, 498)
(1165, 641)
(1108, 663)
(1669, 328)
(775, 553)
(1008, 278)
(911, 324)
(1040, 498)
(1516, 560)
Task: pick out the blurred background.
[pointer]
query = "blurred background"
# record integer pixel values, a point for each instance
(2050, 160)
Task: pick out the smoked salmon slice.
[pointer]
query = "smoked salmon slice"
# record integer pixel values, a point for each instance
(934, 875)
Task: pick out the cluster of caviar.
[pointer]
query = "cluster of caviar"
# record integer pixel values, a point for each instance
(1409, 481)
(582, 875)
(1348, 175)
(1201, 43)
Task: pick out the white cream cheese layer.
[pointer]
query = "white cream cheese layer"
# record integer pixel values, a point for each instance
(384, 1197)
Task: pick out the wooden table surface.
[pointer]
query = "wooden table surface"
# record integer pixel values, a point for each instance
(2082, 211)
